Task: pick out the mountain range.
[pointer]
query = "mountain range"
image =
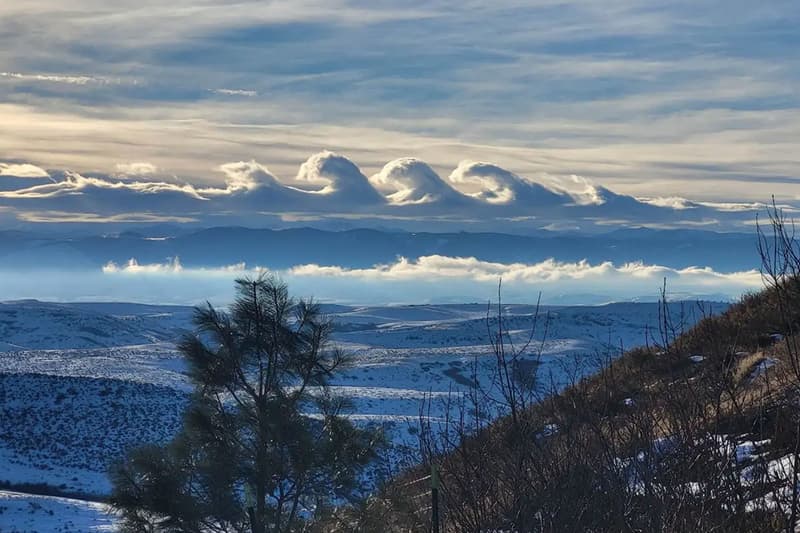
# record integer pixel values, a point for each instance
(358, 248)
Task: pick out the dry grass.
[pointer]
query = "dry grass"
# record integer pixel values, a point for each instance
(508, 473)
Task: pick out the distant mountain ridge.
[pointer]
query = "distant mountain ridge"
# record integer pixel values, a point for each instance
(359, 248)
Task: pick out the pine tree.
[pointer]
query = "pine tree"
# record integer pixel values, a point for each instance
(249, 457)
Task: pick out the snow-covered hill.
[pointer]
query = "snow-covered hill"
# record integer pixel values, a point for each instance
(94, 379)
(29, 513)
(31, 324)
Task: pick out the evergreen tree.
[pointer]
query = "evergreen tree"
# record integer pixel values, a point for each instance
(249, 458)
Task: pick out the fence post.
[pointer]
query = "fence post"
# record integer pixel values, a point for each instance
(434, 499)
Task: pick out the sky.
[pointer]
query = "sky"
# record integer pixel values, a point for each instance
(666, 101)
(502, 115)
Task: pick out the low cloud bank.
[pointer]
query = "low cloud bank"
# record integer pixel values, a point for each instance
(452, 279)
(546, 272)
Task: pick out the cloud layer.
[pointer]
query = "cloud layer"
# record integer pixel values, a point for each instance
(330, 186)
(438, 268)
(659, 98)
(439, 278)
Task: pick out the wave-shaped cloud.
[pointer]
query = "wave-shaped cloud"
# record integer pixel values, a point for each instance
(329, 184)
(411, 181)
(244, 177)
(500, 186)
(106, 196)
(336, 176)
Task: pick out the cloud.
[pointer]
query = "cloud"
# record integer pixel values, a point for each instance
(337, 176)
(137, 169)
(411, 181)
(59, 78)
(584, 191)
(22, 170)
(235, 92)
(742, 206)
(672, 202)
(437, 267)
(659, 99)
(105, 196)
(60, 217)
(74, 183)
(499, 186)
(440, 278)
(335, 184)
(244, 176)
(133, 267)
(406, 192)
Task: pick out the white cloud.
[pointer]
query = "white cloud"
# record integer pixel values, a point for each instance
(137, 168)
(677, 203)
(539, 101)
(441, 278)
(22, 170)
(331, 185)
(235, 92)
(338, 175)
(74, 183)
(411, 181)
(546, 272)
(244, 176)
(133, 267)
(497, 185)
(59, 78)
(94, 218)
(710, 167)
(743, 206)
(173, 266)
(435, 268)
(584, 191)
(672, 202)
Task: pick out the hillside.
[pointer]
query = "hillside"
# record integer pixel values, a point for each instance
(34, 325)
(697, 432)
(72, 399)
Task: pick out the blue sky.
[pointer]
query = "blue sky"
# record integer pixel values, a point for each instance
(663, 103)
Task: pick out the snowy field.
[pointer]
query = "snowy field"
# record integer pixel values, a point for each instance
(28, 513)
(81, 383)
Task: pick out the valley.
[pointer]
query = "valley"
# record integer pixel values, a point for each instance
(81, 383)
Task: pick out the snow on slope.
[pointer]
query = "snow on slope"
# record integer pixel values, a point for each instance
(26, 513)
(30, 324)
(158, 364)
(98, 378)
(66, 431)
